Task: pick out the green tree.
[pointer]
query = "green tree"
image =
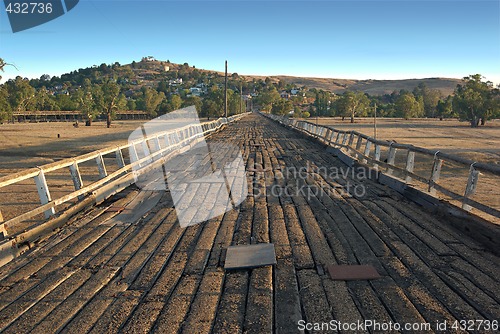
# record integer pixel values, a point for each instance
(444, 108)
(430, 98)
(210, 109)
(66, 102)
(43, 100)
(175, 102)
(193, 101)
(5, 109)
(352, 103)
(322, 103)
(21, 94)
(131, 105)
(87, 97)
(407, 106)
(213, 103)
(282, 107)
(109, 100)
(235, 102)
(473, 100)
(152, 100)
(267, 98)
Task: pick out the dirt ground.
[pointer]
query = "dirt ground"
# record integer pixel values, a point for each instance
(27, 145)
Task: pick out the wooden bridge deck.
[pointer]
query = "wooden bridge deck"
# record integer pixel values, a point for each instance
(138, 271)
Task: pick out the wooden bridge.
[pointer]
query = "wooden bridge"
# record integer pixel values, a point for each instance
(126, 265)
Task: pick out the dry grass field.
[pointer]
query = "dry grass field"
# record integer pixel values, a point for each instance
(450, 136)
(26, 145)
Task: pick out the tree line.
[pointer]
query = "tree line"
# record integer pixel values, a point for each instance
(102, 90)
(473, 100)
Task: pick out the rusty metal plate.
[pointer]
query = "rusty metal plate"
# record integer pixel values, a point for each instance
(250, 256)
(352, 272)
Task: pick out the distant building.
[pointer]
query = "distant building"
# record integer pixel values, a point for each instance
(175, 82)
(195, 91)
(285, 95)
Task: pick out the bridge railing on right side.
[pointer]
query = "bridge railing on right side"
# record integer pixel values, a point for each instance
(470, 185)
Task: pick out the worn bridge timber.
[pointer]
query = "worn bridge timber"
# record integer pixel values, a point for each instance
(136, 270)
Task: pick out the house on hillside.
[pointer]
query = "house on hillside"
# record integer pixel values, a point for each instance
(195, 91)
(285, 95)
(175, 82)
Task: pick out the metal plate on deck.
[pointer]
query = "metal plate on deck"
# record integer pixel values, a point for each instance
(250, 256)
(352, 272)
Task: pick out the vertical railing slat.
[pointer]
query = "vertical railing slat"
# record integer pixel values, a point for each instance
(43, 192)
(471, 187)
(435, 174)
(101, 167)
(410, 164)
(119, 158)
(391, 158)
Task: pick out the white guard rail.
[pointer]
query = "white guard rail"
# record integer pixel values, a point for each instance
(166, 144)
(368, 151)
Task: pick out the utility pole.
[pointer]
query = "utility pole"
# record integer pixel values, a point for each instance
(375, 123)
(225, 93)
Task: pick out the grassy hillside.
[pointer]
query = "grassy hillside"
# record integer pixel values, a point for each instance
(372, 87)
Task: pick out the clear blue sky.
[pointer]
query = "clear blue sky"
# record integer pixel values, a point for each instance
(338, 39)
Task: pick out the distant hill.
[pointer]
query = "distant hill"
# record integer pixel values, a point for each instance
(338, 86)
(372, 87)
(150, 72)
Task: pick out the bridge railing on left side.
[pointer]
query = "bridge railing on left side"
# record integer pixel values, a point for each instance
(15, 238)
